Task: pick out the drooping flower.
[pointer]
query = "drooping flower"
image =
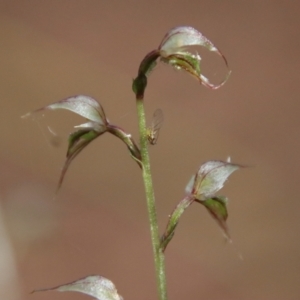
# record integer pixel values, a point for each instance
(177, 49)
(210, 178)
(202, 188)
(96, 125)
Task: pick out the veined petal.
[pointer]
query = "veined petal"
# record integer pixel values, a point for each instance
(211, 177)
(95, 286)
(82, 105)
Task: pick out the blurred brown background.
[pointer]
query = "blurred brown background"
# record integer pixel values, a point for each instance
(98, 223)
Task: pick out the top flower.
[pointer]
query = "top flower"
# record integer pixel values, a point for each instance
(174, 50)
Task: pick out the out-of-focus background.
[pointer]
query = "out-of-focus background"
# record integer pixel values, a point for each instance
(98, 222)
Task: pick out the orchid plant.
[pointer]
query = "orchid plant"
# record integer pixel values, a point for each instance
(176, 49)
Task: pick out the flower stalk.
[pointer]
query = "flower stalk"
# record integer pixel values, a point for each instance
(159, 258)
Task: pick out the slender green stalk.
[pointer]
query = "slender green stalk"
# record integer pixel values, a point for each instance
(159, 258)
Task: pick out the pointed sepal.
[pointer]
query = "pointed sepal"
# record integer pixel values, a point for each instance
(217, 207)
(78, 140)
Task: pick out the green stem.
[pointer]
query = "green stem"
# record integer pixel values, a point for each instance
(159, 258)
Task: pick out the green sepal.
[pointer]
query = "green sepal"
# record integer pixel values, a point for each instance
(217, 207)
(78, 140)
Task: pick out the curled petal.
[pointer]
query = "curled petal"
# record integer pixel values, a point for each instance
(204, 81)
(191, 64)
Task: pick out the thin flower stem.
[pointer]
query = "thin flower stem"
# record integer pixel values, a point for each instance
(159, 258)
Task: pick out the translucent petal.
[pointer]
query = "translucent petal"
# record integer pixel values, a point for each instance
(95, 286)
(82, 105)
(211, 177)
(184, 36)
